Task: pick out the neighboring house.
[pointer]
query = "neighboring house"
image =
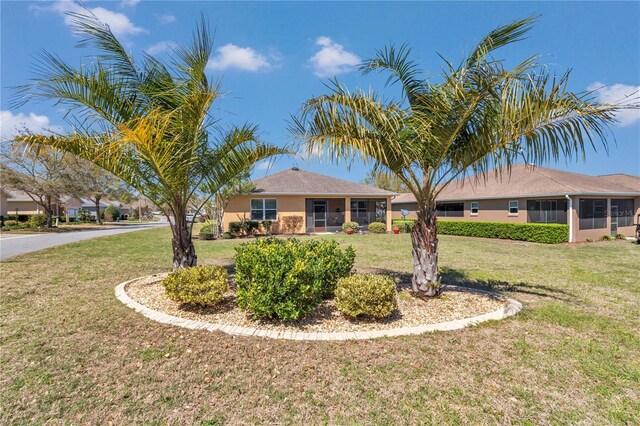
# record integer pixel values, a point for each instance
(74, 204)
(298, 201)
(592, 206)
(12, 200)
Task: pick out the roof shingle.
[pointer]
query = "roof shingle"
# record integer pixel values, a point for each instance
(301, 182)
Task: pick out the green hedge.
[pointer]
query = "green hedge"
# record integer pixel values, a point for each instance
(549, 233)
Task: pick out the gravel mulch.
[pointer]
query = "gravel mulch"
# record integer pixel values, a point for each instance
(454, 304)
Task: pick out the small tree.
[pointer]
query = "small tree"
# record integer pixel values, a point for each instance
(478, 115)
(95, 183)
(44, 175)
(147, 122)
(384, 180)
(220, 200)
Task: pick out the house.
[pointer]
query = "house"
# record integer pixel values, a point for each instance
(12, 201)
(74, 204)
(298, 201)
(592, 206)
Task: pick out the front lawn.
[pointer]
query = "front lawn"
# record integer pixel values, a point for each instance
(73, 354)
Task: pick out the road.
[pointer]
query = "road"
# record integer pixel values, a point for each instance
(15, 244)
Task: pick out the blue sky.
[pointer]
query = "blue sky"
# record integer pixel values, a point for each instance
(273, 56)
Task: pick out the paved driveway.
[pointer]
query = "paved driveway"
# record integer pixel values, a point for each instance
(16, 244)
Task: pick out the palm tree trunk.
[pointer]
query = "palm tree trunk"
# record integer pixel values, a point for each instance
(425, 281)
(184, 253)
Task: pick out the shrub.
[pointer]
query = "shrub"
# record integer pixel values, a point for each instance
(291, 224)
(200, 285)
(205, 232)
(38, 220)
(235, 228)
(352, 226)
(266, 224)
(250, 227)
(605, 238)
(404, 225)
(111, 213)
(227, 236)
(286, 279)
(377, 228)
(9, 223)
(621, 237)
(589, 240)
(549, 233)
(372, 296)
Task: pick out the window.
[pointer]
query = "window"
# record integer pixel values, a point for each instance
(474, 207)
(513, 207)
(547, 211)
(450, 209)
(625, 210)
(263, 209)
(592, 213)
(359, 209)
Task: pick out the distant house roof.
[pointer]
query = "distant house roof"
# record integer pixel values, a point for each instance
(529, 181)
(301, 182)
(16, 195)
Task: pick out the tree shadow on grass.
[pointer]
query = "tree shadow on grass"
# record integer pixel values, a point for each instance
(461, 279)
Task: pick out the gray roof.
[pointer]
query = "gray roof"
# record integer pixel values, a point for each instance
(529, 181)
(294, 181)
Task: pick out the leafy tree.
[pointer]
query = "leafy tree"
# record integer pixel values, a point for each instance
(384, 180)
(96, 183)
(478, 115)
(240, 185)
(147, 122)
(45, 175)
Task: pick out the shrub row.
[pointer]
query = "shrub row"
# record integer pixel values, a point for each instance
(550, 233)
(249, 227)
(286, 279)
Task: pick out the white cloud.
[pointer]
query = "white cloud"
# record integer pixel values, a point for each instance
(332, 59)
(263, 165)
(619, 94)
(119, 23)
(129, 3)
(243, 58)
(11, 124)
(161, 47)
(166, 19)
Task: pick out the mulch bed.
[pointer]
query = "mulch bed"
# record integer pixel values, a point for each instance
(453, 304)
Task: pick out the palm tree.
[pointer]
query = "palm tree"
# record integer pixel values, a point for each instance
(147, 124)
(478, 115)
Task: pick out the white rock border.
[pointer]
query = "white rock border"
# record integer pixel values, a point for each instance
(512, 308)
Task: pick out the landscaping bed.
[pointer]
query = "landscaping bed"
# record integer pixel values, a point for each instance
(454, 304)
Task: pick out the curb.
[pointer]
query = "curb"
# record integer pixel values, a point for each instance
(512, 308)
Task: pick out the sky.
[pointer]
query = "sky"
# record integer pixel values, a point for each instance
(272, 56)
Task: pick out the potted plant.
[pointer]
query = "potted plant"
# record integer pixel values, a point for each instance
(350, 227)
(396, 229)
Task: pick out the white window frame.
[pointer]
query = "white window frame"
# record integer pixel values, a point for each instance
(517, 207)
(264, 209)
(477, 208)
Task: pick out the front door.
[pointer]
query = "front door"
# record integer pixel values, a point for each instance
(614, 220)
(320, 216)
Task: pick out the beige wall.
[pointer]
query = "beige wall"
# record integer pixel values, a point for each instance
(3, 204)
(24, 207)
(596, 234)
(496, 210)
(239, 208)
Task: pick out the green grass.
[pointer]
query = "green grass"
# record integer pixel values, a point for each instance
(73, 354)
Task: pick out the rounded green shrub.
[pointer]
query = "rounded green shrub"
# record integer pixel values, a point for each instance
(605, 238)
(205, 232)
(38, 220)
(200, 285)
(10, 223)
(377, 228)
(111, 213)
(286, 279)
(372, 296)
(350, 226)
(227, 236)
(621, 237)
